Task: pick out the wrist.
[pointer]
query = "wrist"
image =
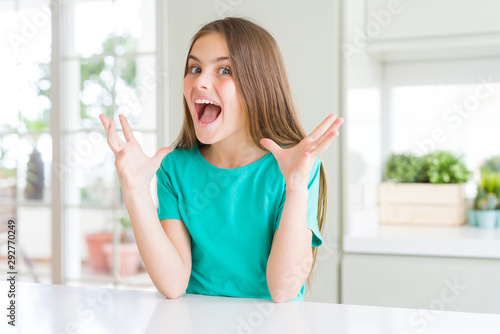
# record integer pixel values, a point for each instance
(136, 192)
(297, 190)
(297, 182)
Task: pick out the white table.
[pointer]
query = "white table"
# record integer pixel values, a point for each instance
(43, 308)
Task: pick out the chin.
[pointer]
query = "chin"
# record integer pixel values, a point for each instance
(205, 140)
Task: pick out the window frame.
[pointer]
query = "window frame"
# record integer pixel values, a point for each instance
(60, 35)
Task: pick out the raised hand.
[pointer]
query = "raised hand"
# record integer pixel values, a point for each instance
(134, 168)
(295, 163)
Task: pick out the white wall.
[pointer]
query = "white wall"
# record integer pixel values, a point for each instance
(428, 42)
(362, 85)
(430, 284)
(307, 33)
(435, 18)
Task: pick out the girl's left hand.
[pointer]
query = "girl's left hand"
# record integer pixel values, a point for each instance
(295, 163)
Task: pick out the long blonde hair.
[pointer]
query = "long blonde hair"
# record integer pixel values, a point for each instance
(262, 84)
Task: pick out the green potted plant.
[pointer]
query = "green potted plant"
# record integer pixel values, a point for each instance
(444, 167)
(486, 211)
(491, 165)
(425, 190)
(128, 252)
(404, 168)
(35, 177)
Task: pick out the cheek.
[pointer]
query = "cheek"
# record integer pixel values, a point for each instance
(187, 87)
(230, 94)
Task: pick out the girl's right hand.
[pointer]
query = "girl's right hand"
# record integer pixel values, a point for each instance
(135, 169)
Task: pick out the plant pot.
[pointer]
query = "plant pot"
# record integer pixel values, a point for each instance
(421, 204)
(95, 243)
(471, 215)
(486, 218)
(129, 258)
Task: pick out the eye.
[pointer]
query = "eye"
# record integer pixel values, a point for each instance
(194, 70)
(224, 71)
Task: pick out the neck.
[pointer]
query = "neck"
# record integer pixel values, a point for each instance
(229, 155)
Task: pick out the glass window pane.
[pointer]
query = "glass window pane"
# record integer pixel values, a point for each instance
(116, 84)
(136, 96)
(137, 18)
(98, 79)
(110, 68)
(89, 172)
(87, 231)
(34, 244)
(96, 22)
(363, 156)
(446, 117)
(26, 27)
(8, 152)
(34, 158)
(33, 96)
(91, 252)
(93, 24)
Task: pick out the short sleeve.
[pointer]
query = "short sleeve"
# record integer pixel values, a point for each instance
(312, 204)
(168, 205)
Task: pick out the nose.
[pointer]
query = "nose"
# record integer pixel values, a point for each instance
(203, 81)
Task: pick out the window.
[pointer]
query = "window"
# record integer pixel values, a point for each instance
(25, 138)
(109, 67)
(107, 59)
(419, 107)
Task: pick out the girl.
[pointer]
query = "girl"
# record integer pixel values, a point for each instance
(242, 197)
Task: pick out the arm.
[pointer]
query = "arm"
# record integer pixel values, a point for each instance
(290, 259)
(166, 252)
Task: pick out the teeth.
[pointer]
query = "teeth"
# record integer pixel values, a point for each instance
(205, 102)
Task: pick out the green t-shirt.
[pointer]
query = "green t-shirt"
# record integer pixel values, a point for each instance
(232, 215)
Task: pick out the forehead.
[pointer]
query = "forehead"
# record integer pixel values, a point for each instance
(209, 47)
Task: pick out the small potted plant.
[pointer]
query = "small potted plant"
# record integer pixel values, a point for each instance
(97, 258)
(95, 243)
(128, 252)
(486, 212)
(425, 190)
(491, 165)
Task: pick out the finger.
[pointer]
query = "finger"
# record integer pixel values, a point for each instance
(127, 131)
(104, 121)
(320, 129)
(322, 146)
(334, 127)
(114, 140)
(107, 123)
(270, 145)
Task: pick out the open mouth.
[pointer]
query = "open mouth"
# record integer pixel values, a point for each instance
(207, 111)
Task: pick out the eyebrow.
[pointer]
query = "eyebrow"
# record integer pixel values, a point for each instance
(216, 60)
